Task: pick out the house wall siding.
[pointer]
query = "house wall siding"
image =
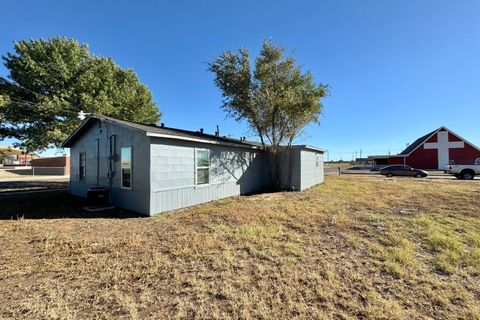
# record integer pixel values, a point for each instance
(289, 162)
(233, 171)
(164, 170)
(138, 197)
(311, 168)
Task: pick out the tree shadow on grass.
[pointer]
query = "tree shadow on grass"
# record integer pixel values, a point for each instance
(54, 205)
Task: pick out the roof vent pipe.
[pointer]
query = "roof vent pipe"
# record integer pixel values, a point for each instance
(201, 130)
(162, 125)
(217, 133)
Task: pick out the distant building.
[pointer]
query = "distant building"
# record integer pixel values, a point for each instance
(361, 160)
(378, 160)
(152, 169)
(51, 165)
(11, 156)
(434, 151)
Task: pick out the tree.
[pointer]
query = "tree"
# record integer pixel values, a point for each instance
(51, 80)
(276, 99)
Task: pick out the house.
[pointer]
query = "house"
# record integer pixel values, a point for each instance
(14, 157)
(152, 169)
(434, 151)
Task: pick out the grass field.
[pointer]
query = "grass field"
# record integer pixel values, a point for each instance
(354, 247)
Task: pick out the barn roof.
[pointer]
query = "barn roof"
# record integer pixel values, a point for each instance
(172, 133)
(417, 143)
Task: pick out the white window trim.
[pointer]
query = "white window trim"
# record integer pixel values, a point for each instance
(84, 178)
(131, 168)
(197, 167)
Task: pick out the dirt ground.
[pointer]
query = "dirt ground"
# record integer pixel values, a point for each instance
(352, 248)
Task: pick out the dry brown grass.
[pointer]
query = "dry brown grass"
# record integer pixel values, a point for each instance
(354, 247)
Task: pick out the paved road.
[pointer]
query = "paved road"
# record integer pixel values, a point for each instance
(432, 174)
(22, 185)
(430, 177)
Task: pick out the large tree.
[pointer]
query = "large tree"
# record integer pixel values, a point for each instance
(51, 80)
(276, 98)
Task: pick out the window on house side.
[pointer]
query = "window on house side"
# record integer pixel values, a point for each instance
(203, 166)
(126, 167)
(82, 168)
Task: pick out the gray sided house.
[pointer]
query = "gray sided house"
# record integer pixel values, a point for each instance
(152, 169)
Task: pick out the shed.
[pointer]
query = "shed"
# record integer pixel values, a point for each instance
(153, 169)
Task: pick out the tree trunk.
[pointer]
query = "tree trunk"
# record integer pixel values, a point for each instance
(290, 162)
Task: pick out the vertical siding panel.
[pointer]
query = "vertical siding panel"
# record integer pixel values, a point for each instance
(136, 199)
(173, 172)
(310, 173)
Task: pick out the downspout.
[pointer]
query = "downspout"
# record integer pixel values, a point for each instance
(98, 161)
(111, 140)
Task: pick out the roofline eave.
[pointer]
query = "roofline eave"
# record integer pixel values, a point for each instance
(169, 136)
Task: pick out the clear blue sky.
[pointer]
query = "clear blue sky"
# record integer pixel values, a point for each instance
(396, 69)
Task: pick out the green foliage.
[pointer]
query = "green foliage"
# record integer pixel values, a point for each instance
(52, 80)
(276, 99)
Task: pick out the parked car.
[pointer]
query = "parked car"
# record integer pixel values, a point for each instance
(404, 171)
(464, 171)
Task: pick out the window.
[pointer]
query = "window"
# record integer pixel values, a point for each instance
(126, 167)
(82, 168)
(203, 166)
(316, 160)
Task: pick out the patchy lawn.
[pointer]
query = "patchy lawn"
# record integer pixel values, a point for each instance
(354, 247)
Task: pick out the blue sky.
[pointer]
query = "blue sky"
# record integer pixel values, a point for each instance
(396, 69)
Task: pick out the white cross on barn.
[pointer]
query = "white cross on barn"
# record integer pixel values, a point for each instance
(443, 145)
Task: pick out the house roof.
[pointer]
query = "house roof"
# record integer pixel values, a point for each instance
(308, 147)
(159, 131)
(169, 133)
(10, 151)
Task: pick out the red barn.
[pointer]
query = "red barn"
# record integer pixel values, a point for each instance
(437, 149)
